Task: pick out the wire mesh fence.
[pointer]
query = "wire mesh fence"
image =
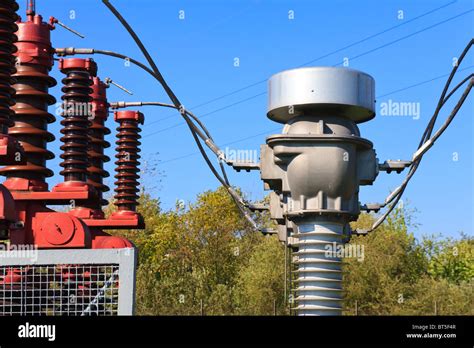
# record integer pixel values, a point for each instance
(68, 282)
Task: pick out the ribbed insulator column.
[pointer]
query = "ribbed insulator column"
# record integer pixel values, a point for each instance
(97, 142)
(128, 148)
(31, 118)
(8, 28)
(319, 289)
(76, 123)
(31, 121)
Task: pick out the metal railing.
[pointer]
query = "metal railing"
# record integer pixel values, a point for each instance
(67, 282)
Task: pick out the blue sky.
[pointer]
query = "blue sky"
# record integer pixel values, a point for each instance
(196, 55)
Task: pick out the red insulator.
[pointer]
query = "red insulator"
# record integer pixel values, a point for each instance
(97, 143)
(31, 118)
(77, 111)
(126, 198)
(8, 28)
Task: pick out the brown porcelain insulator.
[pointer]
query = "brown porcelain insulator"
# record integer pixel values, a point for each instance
(76, 120)
(97, 142)
(127, 154)
(8, 28)
(34, 60)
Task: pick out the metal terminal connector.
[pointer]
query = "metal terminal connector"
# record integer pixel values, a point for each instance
(397, 166)
(258, 207)
(53, 21)
(70, 51)
(375, 207)
(108, 81)
(268, 231)
(247, 166)
(118, 105)
(360, 232)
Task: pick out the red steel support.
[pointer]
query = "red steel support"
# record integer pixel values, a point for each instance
(37, 224)
(25, 218)
(24, 197)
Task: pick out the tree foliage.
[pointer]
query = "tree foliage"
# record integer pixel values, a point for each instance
(401, 276)
(204, 258)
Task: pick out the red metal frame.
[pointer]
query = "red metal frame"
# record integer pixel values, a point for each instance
(24, 197)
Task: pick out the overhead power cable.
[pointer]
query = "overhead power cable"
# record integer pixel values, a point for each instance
(336, 64)
(427, 141)
(185, 114)
(353, 44)
(271, 131)
(87, 51)
(198, 134)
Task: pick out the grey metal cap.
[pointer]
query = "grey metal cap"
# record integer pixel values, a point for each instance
(321, 90)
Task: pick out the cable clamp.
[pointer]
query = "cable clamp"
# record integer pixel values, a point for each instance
(375, 207)
(398, 166)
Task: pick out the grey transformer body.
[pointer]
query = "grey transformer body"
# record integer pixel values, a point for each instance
(314, 169)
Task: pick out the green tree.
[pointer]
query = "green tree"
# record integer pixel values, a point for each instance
(401, 276)
(261, 281)
(195, 255)
(450, 259)
(206, 257)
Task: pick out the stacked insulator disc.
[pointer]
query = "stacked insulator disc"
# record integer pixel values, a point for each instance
(76, 113)
(31, 118)
(97, 143)
(8, 28)
(128, 148)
